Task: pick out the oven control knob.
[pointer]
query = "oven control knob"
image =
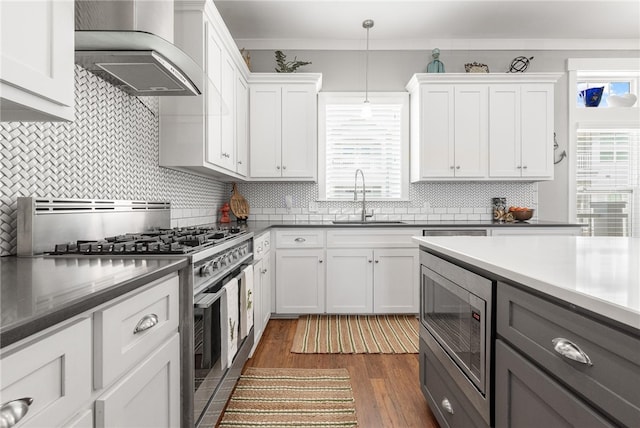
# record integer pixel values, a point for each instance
(205, 270)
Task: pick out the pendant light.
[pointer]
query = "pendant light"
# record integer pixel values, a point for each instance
(366, 108)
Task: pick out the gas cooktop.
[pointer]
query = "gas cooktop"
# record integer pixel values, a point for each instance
(161, 241)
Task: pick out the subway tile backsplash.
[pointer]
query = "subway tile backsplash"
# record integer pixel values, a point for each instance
(427, 202)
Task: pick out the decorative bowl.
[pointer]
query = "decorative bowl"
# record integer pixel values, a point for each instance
(626, 100)
(522, 215)
(474, 67)
(592, 96)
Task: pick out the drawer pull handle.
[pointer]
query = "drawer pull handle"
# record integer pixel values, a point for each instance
(12, 411)
(146, 323)
(299, 239)
(263, 271)
(446, 405)
(570, 350)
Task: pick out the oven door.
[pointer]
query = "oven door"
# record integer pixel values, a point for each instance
(456, 318)
(209, 368)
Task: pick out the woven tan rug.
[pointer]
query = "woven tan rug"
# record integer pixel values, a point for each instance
(356, 334)
(291, 398)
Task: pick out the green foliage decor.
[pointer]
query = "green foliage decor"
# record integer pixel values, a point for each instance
(288, 67)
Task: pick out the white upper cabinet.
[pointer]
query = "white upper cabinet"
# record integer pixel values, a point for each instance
(207, 134)
(521, 131)
(481, 127)
(283, 126)
(36, 60)
(242, 125)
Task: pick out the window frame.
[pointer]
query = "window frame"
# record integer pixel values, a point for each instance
(398, 98)
(579, 70)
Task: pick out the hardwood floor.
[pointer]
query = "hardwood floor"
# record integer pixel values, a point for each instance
(385, 387)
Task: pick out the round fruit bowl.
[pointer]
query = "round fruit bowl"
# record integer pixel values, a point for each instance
(522, 215)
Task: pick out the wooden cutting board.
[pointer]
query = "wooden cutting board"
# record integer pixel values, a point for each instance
(239, 205)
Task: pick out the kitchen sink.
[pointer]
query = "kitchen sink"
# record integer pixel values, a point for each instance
(366, 222)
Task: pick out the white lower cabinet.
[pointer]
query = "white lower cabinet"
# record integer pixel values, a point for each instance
(395, 284)
(300, 281)
(121, 360)
(148, 396)
(265, 298)
(349, 281)
(54, 371)
(261, 296)
(372, 281)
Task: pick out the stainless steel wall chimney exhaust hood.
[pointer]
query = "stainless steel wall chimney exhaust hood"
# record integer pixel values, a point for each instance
(128, 43)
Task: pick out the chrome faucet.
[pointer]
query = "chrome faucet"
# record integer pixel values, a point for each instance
(364, 214)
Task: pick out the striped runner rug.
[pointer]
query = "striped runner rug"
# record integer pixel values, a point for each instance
(291, 398)
(356, 334)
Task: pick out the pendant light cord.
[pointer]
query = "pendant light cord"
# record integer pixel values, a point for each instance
(367, 24)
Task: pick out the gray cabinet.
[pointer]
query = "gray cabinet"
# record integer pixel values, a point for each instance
(594, 361)
(449, 406)
(526, 397)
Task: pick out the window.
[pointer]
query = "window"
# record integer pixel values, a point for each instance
(608, 180)
(377, 145)
(604, 147)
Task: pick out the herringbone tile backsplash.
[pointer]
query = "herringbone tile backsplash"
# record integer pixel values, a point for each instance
(110, 151)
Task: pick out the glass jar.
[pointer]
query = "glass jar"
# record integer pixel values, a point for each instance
(499, 206)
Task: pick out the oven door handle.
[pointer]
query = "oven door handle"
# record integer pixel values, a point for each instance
(205, 300)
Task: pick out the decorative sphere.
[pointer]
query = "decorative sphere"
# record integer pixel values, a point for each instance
(519, 64)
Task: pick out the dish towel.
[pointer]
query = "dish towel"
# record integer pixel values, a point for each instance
(246, 302)
(229, 321)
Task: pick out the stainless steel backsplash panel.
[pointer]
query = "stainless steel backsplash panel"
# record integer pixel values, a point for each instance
(43, 223)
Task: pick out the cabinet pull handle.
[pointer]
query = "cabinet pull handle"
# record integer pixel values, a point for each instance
(446, 405)
(239, 162)
(320, 261)
(458, 167)
(263, 271)
(299, 239)
(13, 411)
(146, 323)
(278, 167)
(370, 261)
(570, 350)
(377, 261)
(519, 167)
(451, 167)
(284, 167)
(524, 167)
(266, 243)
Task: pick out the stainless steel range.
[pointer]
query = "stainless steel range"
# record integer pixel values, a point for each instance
(99, 228)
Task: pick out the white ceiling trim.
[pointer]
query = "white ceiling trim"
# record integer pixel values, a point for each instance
(443, 44)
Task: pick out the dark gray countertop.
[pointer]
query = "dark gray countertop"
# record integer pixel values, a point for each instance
(39, 292)
(259, 226)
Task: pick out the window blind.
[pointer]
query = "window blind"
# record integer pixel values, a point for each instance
(608, 180)
(371, 144)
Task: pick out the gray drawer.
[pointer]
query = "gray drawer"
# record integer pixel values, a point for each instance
(437, 387)
(611, 383)
(526, 397)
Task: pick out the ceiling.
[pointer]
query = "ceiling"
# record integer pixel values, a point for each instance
(424, 24)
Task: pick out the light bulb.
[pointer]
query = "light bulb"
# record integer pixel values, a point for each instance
(366, 112)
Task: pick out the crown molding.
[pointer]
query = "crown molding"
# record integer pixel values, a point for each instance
(442, 44)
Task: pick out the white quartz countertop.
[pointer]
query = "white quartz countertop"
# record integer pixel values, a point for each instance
(599, 274)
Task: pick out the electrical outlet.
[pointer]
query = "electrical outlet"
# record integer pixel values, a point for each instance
(313, 207)
(288, 202)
